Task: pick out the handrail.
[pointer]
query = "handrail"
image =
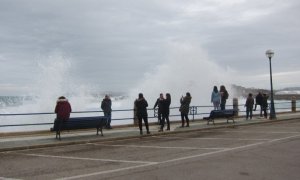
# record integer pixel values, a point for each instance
(194, 112)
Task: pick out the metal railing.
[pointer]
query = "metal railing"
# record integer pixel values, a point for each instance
(196, 113)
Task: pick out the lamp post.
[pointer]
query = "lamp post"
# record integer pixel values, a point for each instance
(270, 54)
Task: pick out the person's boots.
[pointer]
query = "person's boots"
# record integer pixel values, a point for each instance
(187, 123)
(141, 132)
(148, 132)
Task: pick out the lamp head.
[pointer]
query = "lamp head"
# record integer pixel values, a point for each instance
(270, 53)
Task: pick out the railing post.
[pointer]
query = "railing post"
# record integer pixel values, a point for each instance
(235, 103)
(193, 111)
(135, 118)
(293, 104)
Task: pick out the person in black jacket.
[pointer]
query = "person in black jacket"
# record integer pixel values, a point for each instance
(165, 110)
(224, 96)
(249, 106)
(265, 105)
(158, 103)
(258, 101)
(106, 107)
(185, 108)
(141, 111)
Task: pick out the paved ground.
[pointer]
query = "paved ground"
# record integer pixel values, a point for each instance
(260, 151)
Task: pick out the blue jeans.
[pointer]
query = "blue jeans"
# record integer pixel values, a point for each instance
(108, 115)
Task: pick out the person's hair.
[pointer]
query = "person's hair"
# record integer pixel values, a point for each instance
(62, 97)
(168, 96)
(215, 89)
(188, 94)
(222, 88)
(250, 94)
(141, 95)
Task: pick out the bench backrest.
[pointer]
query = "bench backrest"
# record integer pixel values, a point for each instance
(222, 113)
(84, 123)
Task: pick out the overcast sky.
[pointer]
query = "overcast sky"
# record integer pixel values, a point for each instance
(117, 45)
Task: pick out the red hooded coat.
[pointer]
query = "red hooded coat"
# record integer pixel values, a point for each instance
(63, 109)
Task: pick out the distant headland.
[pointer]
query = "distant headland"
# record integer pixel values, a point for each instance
(281, 94)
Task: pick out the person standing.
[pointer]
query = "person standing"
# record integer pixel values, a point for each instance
(185, 108)
(159, 104)
(165, 112)
(106, 107)
(265, 105)
(141, 111)
(258, 101)
(215, 98)
(62, 110)
(249, 106)
(224, 96)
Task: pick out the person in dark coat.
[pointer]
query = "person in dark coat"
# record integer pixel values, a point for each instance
(185, 108)
(249, 106)
(265, 105)
(224, 96)
(258, 101)
(62, 110)
(158, 103)
(141, 111)
(106, 107)
(165, 110)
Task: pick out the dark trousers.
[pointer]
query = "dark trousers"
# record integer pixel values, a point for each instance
(261, 110)
(186, 117)
(108, 115)
(265, 112)
(249, 112)
(165, 117)
(159, 116)
(222, 105)
(145, 118)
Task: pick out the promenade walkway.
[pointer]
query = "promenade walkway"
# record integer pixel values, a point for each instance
(19, 141)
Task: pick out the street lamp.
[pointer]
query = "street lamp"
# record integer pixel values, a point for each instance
(270, 54)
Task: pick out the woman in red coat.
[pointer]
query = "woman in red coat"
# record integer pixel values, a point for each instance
(62, 110)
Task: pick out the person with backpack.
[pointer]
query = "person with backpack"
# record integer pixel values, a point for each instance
(224, 96)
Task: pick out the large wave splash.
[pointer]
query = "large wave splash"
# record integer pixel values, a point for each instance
(187, 68)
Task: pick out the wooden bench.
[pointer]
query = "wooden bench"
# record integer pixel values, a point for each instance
(80, 123)
(219, 114)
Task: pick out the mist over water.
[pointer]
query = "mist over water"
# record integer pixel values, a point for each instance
(185, 68)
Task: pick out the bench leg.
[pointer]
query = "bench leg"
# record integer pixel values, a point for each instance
(210, 120)
(59, 135)
(230, 118)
